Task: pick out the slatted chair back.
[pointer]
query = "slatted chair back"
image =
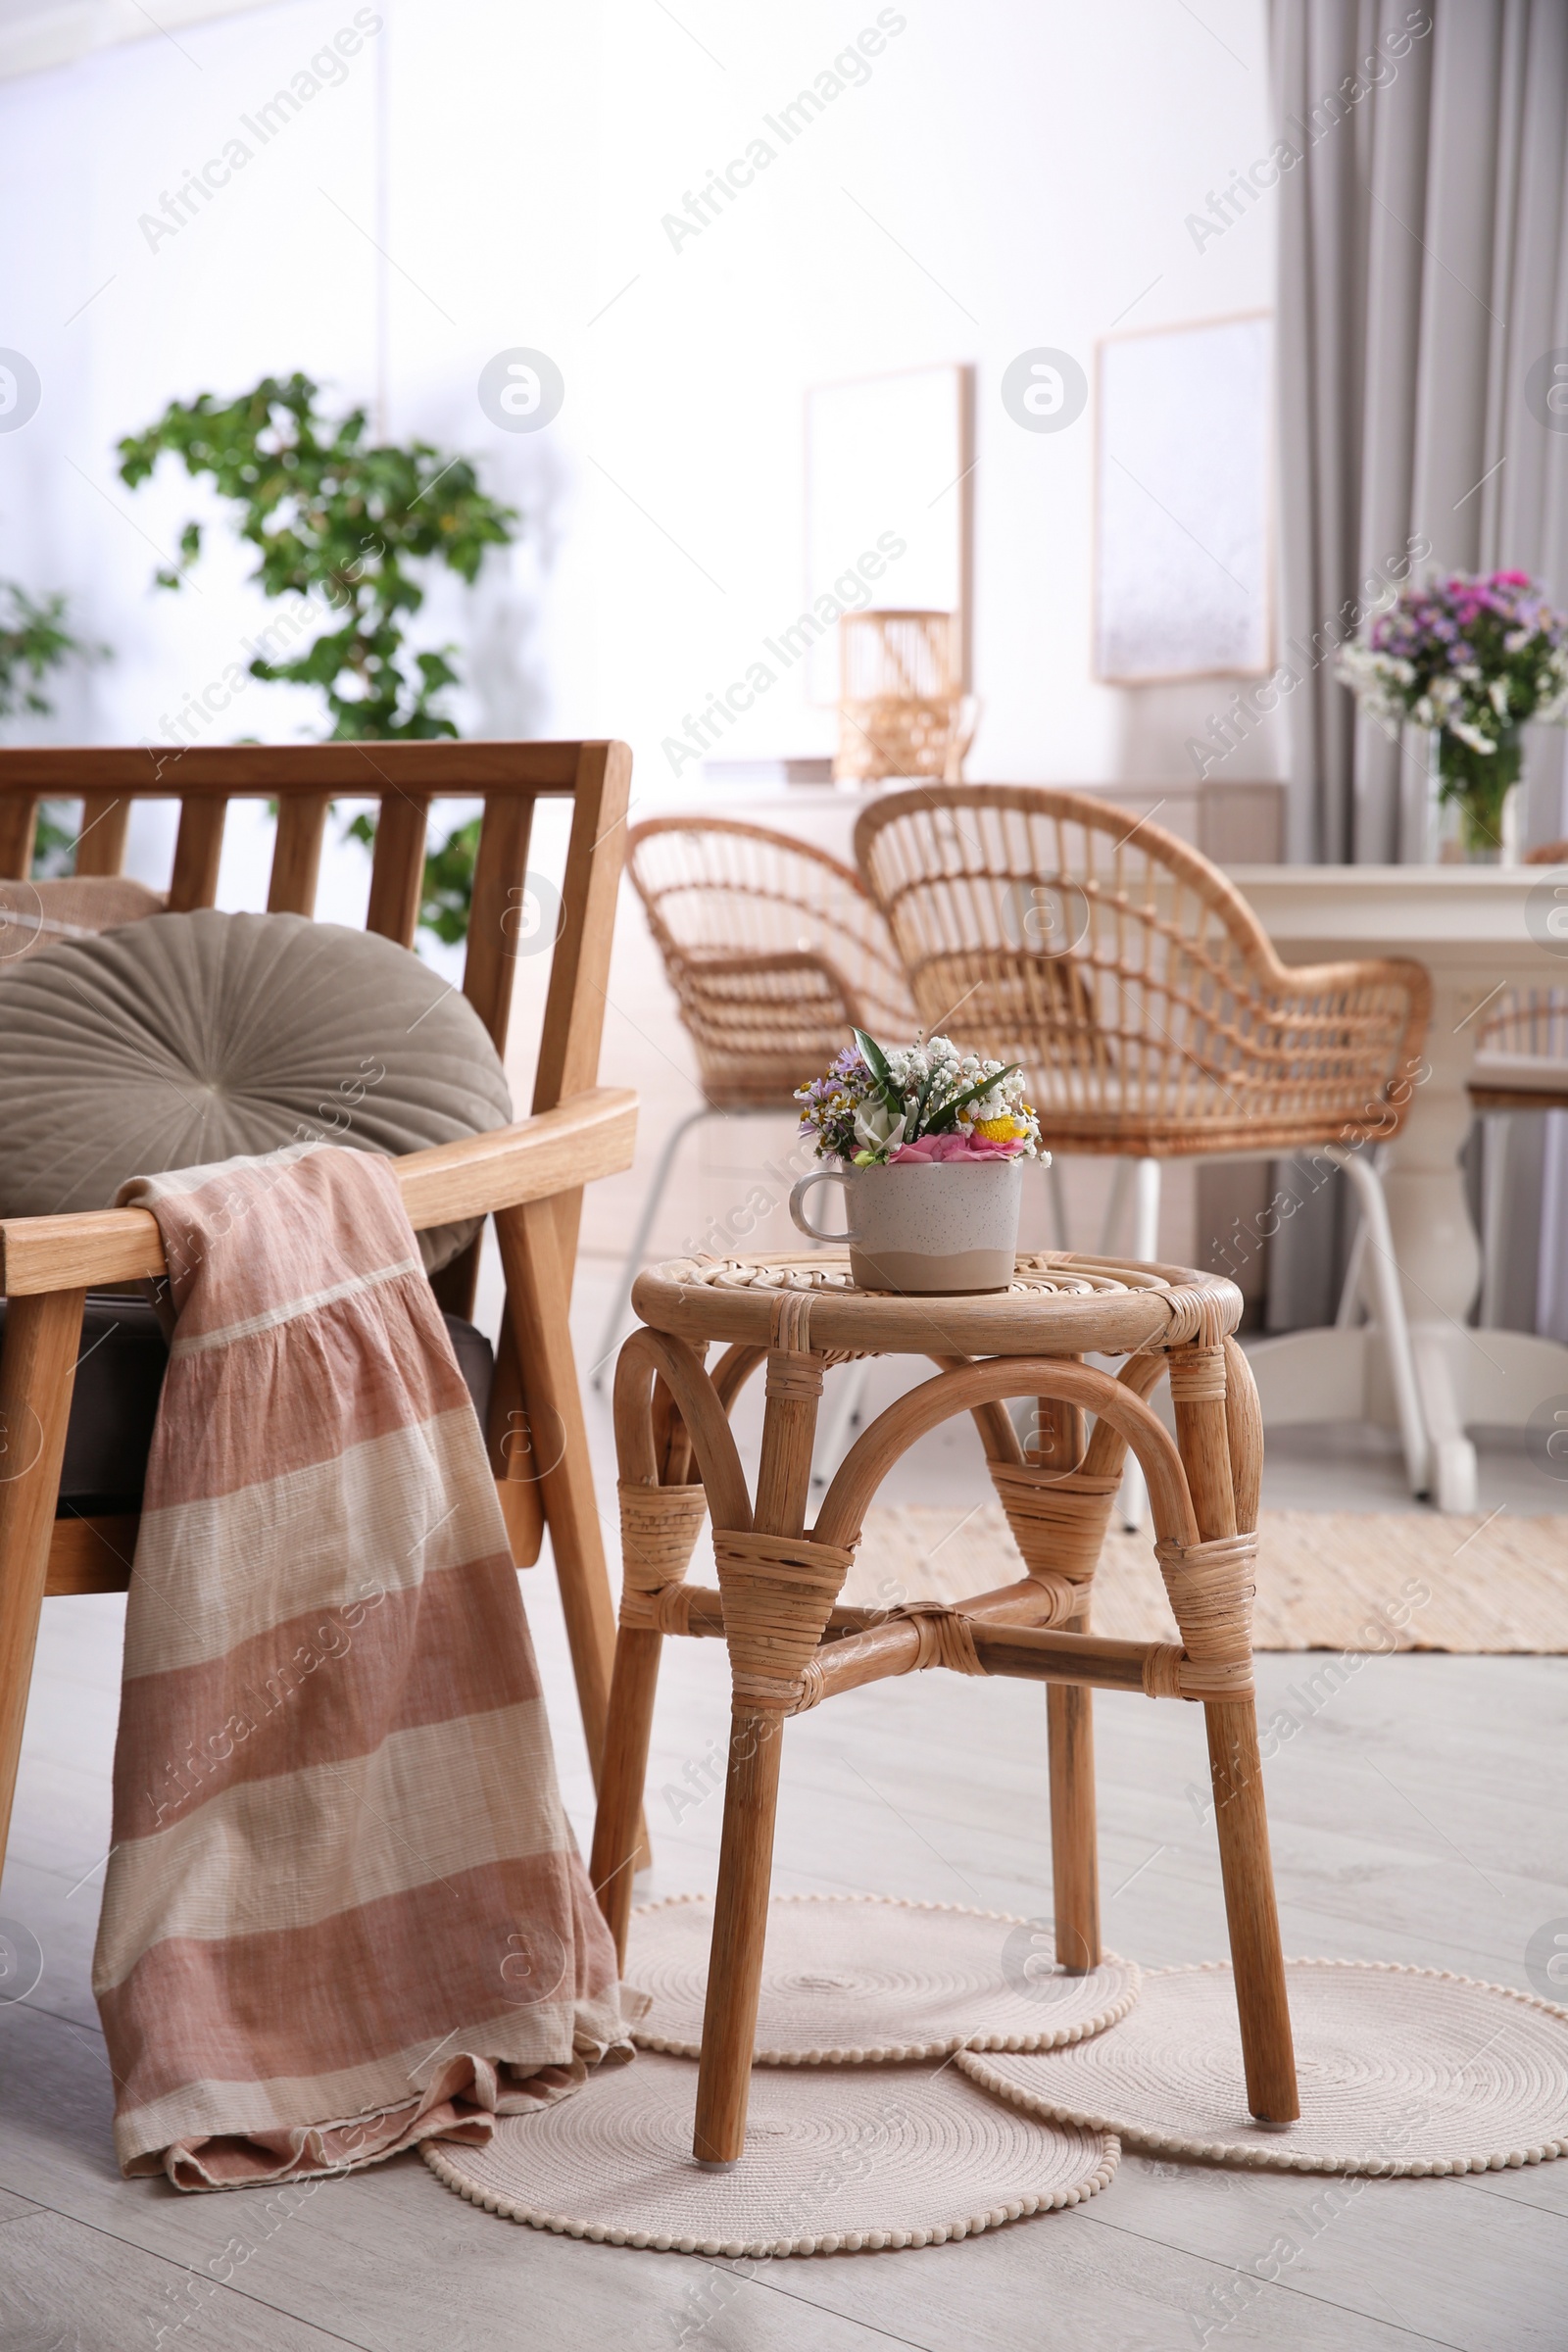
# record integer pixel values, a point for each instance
(1130, 978)
(529, 1176)
(773, 950)
(404, 779)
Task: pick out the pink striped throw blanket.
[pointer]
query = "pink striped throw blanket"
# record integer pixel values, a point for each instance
(344, 1911)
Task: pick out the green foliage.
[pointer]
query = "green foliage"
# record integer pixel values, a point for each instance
(334, 516)
(53, 843)
(447, 899)
(34, 640)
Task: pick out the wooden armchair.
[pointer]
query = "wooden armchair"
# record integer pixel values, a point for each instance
(529, 1176)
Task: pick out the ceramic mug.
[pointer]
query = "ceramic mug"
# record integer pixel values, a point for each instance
(931, 1226)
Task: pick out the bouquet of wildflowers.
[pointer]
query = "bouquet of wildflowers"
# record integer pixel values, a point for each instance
(917, 1103)
(1474, 655)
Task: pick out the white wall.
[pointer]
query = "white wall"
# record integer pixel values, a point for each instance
(1034, 162)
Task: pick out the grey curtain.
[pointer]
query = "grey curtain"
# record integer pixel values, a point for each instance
(1423, 294)
(1423, 272)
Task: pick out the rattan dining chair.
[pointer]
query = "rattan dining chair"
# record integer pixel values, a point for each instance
(1147, 1006)
(1521, 1064)
(774, 951)
(528, 1175)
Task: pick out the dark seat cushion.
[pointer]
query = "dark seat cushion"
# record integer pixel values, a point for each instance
(120, 1371)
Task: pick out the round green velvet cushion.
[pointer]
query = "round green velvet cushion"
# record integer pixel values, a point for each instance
(185, 1039)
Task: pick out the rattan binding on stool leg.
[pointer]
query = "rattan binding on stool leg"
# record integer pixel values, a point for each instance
(1059, 1522)
(778, 1593)
(658, 1531)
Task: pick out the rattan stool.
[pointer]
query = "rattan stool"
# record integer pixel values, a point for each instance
(791, 1645)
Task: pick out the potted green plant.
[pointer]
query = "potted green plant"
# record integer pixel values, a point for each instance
(347, 524)
(929, 1146)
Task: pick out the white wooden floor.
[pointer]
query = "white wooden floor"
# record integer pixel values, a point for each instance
(1417, 1815)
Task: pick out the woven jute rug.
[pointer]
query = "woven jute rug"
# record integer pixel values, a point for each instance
(840, 2160)
(1330, 1579)
(1401, 2070)
(854, 1979)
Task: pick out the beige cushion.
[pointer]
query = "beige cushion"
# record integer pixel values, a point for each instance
(184, 1039)
(34, 914)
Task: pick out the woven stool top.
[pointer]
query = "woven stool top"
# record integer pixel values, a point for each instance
(1058, 1303)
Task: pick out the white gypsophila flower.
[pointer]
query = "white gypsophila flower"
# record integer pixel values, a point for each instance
(1471, 735)
(1516, 641)
(1424, 712)
(1470, 671)
(1498, 694)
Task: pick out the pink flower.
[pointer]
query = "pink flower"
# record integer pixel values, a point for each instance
(939, 1147)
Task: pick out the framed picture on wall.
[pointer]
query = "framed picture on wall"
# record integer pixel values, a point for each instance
(889, 466)
(1183, 531)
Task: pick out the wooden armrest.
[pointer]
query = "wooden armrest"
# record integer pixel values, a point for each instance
(591, 1135)
(588, 1136)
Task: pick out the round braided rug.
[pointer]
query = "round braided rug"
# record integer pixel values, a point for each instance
(1401, 2070)
(835, 2163)
(854, 1979)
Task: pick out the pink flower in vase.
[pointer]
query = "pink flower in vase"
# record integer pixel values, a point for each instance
(939, 1147)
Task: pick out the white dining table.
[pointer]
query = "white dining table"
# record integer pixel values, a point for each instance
(1479, 931)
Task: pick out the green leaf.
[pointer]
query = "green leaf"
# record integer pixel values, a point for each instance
(34, 640)
(876, 1063)
(915, 1128)
(947, 1118)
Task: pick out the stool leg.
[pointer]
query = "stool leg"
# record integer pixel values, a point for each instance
(618, 1823)
(739, 1928)
(1074, 1868)
(1252, 1914)
(1205, 1434)
(750, 1791)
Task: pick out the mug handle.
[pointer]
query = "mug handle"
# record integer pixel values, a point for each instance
(798, 1195)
